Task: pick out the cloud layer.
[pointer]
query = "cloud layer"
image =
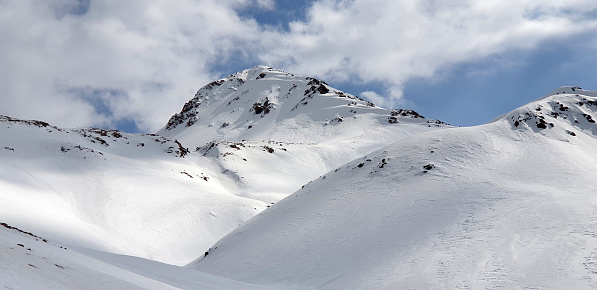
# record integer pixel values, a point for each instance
(112, 60)
(394, 41)
(99, 62)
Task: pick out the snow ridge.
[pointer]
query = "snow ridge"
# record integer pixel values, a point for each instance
(225, 89)
(264, 103)
(565, 111)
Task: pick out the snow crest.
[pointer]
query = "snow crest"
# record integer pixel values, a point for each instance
(565, 112)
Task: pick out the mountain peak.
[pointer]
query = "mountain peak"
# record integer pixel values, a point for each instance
(566, 110)
(263, 103)
(567, 90)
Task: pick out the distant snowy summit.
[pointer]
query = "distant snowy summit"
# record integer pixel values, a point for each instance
(263, 103)
(564, 111)
(26, 137)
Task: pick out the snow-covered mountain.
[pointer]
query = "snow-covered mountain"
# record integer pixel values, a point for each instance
(170, 196)
(273, 131)
(266, 104)
(304, 186)
(510, 204)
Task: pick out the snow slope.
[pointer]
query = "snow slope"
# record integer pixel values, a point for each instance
(170, 198)
(28, 261)
(107, 190)
(510, 204)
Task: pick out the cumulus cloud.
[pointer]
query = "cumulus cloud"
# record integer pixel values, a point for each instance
(98, 62)
(91, 65)
(392, 97)
(266, 4)
(393, 41)
(374, 97)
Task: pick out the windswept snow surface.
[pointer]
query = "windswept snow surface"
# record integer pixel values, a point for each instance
(511, 204)
(28, 261)
(146, 195)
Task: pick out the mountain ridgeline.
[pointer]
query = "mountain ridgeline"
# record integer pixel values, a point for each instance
(264, 103)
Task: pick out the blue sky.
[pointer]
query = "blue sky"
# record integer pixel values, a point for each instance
(472, 100)
(131, 64)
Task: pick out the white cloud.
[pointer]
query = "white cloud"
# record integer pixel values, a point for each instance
(392, 99)
(266, 4)
(155, 53)
(393, 41)
(374, 97)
